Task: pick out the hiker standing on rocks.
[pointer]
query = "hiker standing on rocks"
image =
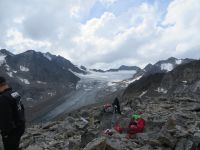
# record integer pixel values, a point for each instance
(116, 106)
(12, 118)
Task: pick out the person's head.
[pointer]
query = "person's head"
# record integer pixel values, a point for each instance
(3, 84)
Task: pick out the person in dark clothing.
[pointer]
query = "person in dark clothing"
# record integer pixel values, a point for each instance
(12, 118)
(116, 106)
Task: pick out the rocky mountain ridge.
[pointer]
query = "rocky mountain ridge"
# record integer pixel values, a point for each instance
(42, 78)
(161, 66)
(181, 81)
(121, 68)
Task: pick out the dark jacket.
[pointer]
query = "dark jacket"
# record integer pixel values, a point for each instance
(11, 111)
(116, 106)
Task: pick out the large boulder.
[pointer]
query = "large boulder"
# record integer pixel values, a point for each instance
(184, 144)
(165, 136)
(34, 147)
(99, 144)
(87, 137)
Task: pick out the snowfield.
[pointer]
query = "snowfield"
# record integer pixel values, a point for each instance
(167, 66)
(2, 59)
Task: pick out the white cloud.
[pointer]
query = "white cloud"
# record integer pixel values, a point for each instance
(108, 2)
(136, 36)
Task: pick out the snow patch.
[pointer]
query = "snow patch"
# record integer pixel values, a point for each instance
(51, 93)
(40, 82)
(143, 93)
(10, 74)
(167, 66)
(133, 80)
(24, 69)
(161, 90)
(184, 82)
(24, 80)
(29, 99)
(2, 59)
(111, 83)
(179, 61)
(7, 67)
(47, 56)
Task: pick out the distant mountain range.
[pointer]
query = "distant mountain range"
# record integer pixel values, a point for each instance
(121, 68)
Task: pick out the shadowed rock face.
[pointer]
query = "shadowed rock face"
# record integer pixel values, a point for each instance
(41, 78)
(162, 66)
(184, 79)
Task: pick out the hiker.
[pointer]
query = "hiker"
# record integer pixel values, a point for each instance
(12, 120)
(116, 106)
(136, 125)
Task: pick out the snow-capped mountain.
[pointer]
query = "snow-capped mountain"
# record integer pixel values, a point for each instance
(182, 81)
(39, 77)
(170, 63)
(161, 66)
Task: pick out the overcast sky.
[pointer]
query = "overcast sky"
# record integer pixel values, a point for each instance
(103, 33)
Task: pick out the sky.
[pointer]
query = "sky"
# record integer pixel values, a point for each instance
(103, 34)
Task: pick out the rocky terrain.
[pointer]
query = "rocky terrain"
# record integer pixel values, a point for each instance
(171, 124)
(167, 98)
(171, 111)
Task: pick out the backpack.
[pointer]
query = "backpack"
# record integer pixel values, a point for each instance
(17, 107)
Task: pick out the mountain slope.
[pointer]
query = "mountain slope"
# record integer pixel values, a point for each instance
(183, 80)
(41, 78)
(161, 66)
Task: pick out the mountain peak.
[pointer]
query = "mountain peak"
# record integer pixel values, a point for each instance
(5, 52)
(172, 58)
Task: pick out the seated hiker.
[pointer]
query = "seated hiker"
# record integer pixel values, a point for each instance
(136, 125)
(116, 106)
(107, 108)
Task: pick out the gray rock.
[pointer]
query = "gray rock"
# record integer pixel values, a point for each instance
(146, 147)
(99, 144)
(87, 137)
(184, 144)
(34, 147)
(74, 143)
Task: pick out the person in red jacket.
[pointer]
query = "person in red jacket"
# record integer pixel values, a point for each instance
(136, 125)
